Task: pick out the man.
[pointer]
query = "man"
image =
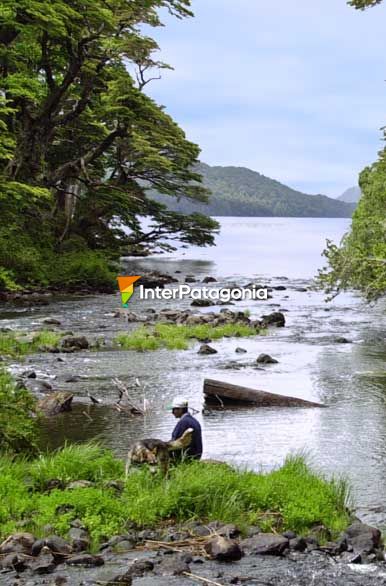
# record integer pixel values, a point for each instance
(179, 409)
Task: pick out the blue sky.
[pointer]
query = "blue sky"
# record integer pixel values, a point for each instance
(293, 89)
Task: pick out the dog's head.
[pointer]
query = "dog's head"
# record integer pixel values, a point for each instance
(140, 454)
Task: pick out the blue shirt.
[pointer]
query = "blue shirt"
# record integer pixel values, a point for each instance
(186, 421)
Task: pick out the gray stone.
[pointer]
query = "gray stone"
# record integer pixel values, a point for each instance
(265, 544)
(274, 319)
(18, 543)
(209, 280)
(266, 359)
(363, 538)
(223, 549)
(240, 350)
(85, 559)
(206, 350)
(79, 539)
(79, 484)
(77, 342)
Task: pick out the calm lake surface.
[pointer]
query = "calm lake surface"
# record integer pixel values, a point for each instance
(348, 438)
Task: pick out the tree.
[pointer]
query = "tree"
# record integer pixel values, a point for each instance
(82, 143)
(360, 260)
(363, 4)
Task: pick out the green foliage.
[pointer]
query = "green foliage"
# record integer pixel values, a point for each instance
(81, 143)
(237, 191)
(363, 4)
(19, 343)
(291, 497)
(18, 427)
(360, 260)
(176, 337)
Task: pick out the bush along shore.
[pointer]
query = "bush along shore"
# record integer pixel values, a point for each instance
(74, 508)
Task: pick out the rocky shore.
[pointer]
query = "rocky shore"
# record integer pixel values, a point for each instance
(196, 553)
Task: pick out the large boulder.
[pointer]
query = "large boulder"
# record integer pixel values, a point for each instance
(363, 538)
(223, 549)
(265, 544)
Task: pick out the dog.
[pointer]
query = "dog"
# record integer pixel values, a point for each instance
(155, 452)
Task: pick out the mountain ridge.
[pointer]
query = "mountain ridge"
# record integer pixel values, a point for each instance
(239, 191)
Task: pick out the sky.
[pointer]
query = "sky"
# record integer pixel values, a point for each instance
(293, 89)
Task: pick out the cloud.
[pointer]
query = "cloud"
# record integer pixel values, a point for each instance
(294, 90)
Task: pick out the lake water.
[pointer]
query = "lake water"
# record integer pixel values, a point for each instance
(349, 437)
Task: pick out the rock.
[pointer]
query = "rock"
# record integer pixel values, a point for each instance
(206, 350)
(156, 279)
(29, 374)
(14, 561)
(289, 534)
(174, 565)
(79, 539)
(39, 386)
(190, 280)
(18, 543)
(117, 485)
(223, 549)
(58, 546)
(266, 359)
(274, 319)
(363, 538)
(44, 564)
(341, 340)
(124, 578)
(202, 303)
(124, 545)
(75, 342)
(209, 280)
(349, 557)
(297, 544)
(229, 530)
(279, 288)
(55, 403)
(52, 321)
(85, 559)
(79, 484)
(265, 544)
(240, 350)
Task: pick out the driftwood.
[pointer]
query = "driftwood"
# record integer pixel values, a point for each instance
(55, 403)
(222, 393)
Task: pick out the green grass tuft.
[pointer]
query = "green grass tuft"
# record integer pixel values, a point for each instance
(291, 497)
(20, 343)
(177, 337)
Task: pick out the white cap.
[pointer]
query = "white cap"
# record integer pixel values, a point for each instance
(179, 403)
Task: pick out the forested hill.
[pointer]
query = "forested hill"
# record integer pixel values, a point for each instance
(237, 191)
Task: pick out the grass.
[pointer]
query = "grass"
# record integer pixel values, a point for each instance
(291, 497)
(19, 343)
(177, 337)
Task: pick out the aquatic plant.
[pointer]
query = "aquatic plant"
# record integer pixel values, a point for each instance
(20, 343)
(177, 337)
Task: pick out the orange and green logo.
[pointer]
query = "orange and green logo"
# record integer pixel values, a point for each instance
(126, 287)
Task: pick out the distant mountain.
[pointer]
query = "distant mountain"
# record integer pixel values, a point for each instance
(238, 191)
(351, 195)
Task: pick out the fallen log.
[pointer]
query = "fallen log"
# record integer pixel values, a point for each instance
(222, 393)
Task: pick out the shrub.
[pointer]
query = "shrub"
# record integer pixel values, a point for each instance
(18, 425)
